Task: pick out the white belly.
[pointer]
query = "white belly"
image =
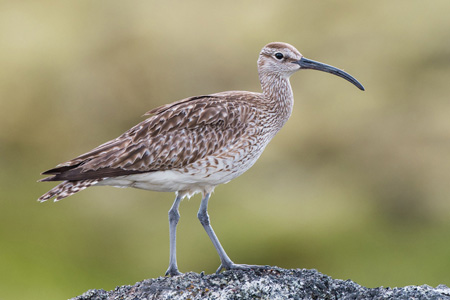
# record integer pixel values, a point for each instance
(199, 177)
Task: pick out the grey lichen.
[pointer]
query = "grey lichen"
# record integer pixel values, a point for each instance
(272, 283)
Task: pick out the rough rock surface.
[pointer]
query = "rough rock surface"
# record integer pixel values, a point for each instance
(271, 283)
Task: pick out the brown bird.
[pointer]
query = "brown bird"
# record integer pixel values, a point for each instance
(195, 144)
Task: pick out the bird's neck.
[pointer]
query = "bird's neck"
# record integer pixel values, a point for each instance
(278, 92)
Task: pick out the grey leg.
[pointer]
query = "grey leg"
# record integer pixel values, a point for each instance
(226, 262)
(174, 216)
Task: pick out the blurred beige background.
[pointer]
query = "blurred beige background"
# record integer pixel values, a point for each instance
(356, 185)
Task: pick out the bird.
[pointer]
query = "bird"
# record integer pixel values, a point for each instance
(195, 144)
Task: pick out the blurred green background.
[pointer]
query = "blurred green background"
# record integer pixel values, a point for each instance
(356, 185)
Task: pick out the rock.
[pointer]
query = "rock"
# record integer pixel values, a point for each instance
(270, 283)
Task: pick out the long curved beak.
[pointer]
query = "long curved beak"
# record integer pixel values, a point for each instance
(315, 65)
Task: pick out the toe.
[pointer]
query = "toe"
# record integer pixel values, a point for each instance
(234, 266)
(172, 272)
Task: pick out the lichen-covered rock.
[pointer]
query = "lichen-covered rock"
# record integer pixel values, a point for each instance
(270, 283)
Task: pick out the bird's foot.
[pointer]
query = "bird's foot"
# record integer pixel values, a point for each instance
(172, 272)
(233, 266)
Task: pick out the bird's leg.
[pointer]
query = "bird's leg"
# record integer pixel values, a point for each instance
(226, 262)
(174, 216)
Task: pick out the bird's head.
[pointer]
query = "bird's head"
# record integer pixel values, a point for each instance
(284, 60)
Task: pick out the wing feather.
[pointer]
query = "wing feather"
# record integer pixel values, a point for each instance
(174, 136)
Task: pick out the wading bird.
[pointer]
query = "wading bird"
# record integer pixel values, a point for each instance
(195, 144)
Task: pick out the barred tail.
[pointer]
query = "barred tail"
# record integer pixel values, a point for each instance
(67, 188)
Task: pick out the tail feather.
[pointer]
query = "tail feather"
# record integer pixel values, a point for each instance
(67, 188)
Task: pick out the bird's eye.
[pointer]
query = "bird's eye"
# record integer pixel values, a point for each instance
(279, 55)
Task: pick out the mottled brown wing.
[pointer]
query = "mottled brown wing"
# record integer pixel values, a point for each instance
(175, 136)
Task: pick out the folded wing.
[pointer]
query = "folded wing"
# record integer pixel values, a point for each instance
(174, 136)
